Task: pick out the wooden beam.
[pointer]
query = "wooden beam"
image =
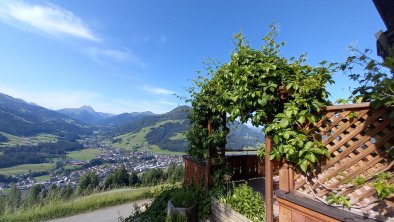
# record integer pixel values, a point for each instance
(347, 106)
(269, 192)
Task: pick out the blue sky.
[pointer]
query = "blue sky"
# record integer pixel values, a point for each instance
(126, 55)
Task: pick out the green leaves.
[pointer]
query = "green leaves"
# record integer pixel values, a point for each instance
(262, 86)
(247, 202)
(383, 187)
(333, 198)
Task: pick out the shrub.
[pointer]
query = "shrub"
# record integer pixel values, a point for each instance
(247, 202)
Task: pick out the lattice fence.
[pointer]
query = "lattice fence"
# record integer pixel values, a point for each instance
(358, 138)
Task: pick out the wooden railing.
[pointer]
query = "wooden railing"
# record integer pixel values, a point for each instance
(242, 167)
(194, 171)
(246, 167)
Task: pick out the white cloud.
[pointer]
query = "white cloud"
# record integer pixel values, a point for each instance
(124, 55)
(158, 90)
(48, 18)
(118, 55)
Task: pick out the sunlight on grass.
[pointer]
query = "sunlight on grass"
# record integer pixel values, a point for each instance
(24, 168)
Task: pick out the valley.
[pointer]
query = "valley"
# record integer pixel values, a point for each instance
(48, 147)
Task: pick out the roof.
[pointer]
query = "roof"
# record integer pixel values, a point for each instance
(386, 11)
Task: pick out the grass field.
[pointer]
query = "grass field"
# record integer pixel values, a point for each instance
(61, 208)
(178, 136)
(85, 154)
(72, 167)
(42, 178)
(24, 168)
(34, 140)
(137, 140)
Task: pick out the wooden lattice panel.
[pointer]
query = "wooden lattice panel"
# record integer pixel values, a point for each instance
(357, 138)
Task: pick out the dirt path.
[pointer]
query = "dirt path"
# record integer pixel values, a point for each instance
(109, 214)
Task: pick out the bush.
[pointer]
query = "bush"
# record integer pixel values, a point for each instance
(118, 178)
(87, 183)
(247, 202)
(183, 199)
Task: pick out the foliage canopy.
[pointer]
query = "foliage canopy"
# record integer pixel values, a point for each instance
(250, 88)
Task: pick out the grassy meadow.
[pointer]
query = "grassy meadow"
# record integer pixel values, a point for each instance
(24, 168)
(85, 154)
(34, 140)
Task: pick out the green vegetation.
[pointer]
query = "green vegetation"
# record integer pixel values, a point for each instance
(34, 154)
(85, 154)
(384, 189)
(341, 200)
(137, 140)
(178, 136)
(60, 208)
(120, 178)
(25, 168)
(87, 183)
(261, 86)
(41, 204)
(42, 178)
(32, 140)
(157, 209)
(246, 201)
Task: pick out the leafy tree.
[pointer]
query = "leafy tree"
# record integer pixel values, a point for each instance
(175, 173)
(67, 191)
(33, 196)
(134, 180)
(153, 177)
(261, 86)
(87, 183)
(15, 197)
(118, 178)
(375, 79)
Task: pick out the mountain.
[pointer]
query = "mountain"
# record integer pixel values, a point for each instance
(20, 118)
(168, 132)
(123, 119)
(85, 114)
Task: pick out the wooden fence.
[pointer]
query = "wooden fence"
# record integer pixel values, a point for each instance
(194, 171)
(246, 167)
(357, 138)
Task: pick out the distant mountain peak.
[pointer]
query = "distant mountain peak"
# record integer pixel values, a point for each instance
(87, 108)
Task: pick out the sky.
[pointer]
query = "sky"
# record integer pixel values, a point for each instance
(132, 56)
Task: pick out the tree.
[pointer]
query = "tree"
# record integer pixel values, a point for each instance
(34, 194)
(118, 178)
(175, 173)
(134, 180)
(263, 87)
(87, 183)
(14, 198)
(67, 191)
(153, 177)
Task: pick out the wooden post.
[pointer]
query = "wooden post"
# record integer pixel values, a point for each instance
(269, 212)
(284, 183)
(223, 147)
(208, 162)
(207, 177)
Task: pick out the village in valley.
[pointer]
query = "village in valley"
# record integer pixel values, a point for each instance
(108, 159)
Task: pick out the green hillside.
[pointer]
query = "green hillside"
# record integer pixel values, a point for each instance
(138, 138)
(166, 133)
(13, 140)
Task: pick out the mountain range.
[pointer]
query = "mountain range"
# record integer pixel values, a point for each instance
(85, 114)
(128, 130)
(20, 118)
